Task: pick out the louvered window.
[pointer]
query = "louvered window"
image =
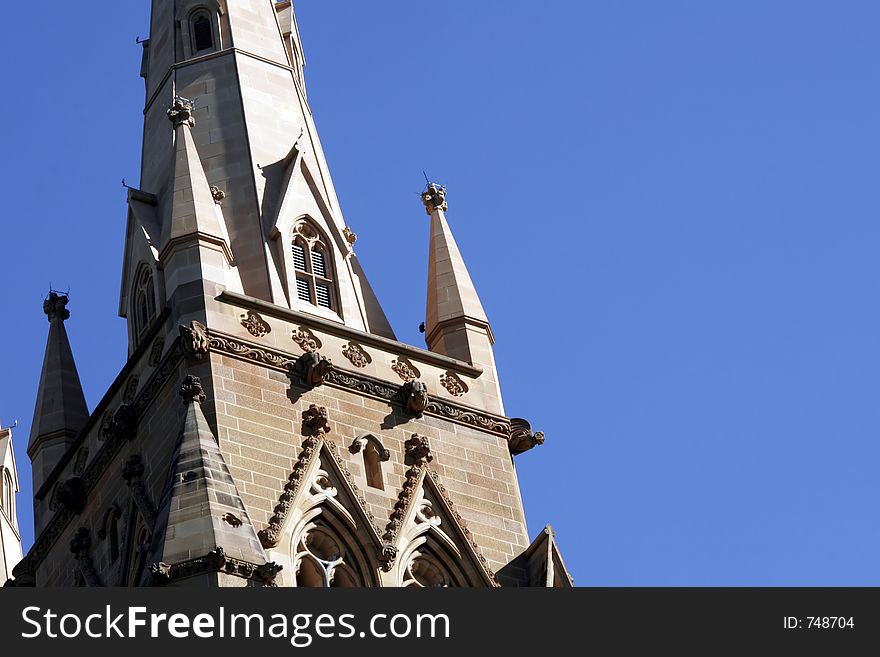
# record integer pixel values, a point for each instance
(323, 295)
(302, 290)
(203, 32)
(312, 267)
(299, 257)
(319, 268)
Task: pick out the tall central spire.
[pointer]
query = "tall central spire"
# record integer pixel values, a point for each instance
(255, 146)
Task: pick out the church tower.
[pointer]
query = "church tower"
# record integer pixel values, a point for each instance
(10, 537)
(268, 429)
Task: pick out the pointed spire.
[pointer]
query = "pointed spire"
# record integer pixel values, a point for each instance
(195, 205)
(61, 411)
(201, 509)
(454, 309)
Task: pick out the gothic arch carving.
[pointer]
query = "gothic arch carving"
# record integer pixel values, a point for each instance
(427, 543)
(322, 531)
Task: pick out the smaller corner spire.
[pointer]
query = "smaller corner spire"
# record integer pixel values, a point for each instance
(55, 307)
(181, 112)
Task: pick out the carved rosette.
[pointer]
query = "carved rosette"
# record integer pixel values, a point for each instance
(306, 340)
(255, 324)
(55, 307)
(181, 112)
(194, 339)
(316, 420)
(191, 390)
(434, 198)
(414, 396)
(156, 351)
(405, 369)
(131, 390)
(357, 355)
(521, 437)
(418, 448)
(453, 384)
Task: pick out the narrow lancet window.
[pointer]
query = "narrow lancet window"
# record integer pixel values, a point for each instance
(313, 268)
(202, 32)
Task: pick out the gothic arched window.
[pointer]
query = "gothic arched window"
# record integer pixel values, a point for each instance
(313, 267)
(202, 31)
(7, 500)
(144, 302)
(321, 561)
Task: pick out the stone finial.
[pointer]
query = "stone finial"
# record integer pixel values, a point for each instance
(181, 112)
(55, 306)
(315, 419)
(350, 237)
(419, 449)
(434, 198)
(191, 390)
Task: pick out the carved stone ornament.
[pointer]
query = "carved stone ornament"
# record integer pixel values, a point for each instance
(521, 437)
(453, 383)
(156, 351)
(313, 368)
(434, 198)
(357, 355)
(350, 237)
(232, 520)
(414, 396)
(216, 561)
(194, 340)
(133, 473)
(122, 425)
(358, 444)
(418, 448)
(191, 390)
(255, 325)
(306, 340)
(217, 194)
(131, 389)
(80, 546)
(316, 420)
(405, 369)
(181, 112)
(55, 306)
(72, 495)
(82, 456)
(270, 535)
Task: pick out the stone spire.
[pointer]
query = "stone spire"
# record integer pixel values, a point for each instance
(196, 218)
(201, 509)
(61, 411)
(455, 322)
(255, 141)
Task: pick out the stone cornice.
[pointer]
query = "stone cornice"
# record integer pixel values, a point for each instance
(284, 362)
(343, 331)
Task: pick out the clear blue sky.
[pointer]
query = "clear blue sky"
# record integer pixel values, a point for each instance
(669, 210)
